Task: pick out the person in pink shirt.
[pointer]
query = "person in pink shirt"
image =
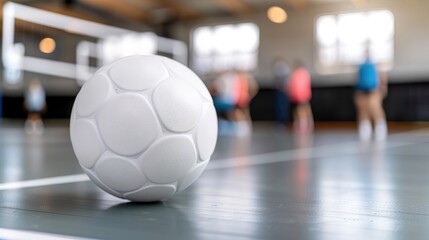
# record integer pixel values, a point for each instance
(299, 92)
(246, 89)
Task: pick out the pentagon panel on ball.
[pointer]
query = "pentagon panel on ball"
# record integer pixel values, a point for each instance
(143, 128)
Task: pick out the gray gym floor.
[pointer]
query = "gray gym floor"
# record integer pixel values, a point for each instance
(274, 185)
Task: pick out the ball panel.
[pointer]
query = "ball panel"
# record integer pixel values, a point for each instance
(101, 185)
(128, 124)
(206, 136)
(93, 94)
(138, 73)
(192, 176)
(151, 193)
(178, 105)
(169, 159)
(180, 70)
(86, 142)
(119, 174)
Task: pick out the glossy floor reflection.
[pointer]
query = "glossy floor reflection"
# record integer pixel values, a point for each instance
(274, 185)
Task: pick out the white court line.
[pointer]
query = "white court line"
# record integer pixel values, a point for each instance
(258, 159)
(30, 235)
(295, 154)
(251, 160)
(45, 181)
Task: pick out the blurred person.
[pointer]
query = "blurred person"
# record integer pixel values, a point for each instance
(222, 90)
(246, 89)
(299, 93)
(371, 88)
(232, 92)
(35, 104)
(281, 72)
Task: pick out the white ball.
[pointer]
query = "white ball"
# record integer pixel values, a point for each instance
(143, 128)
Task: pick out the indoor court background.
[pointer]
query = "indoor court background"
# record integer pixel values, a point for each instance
(272, 183)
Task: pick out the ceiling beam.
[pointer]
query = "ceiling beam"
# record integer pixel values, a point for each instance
(120, 8)
(297, 4)
(143, 5)
(182, 12)
(68, 10)
(237, 7)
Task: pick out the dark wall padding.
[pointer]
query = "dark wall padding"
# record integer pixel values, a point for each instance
(57, 107)
(405, 102)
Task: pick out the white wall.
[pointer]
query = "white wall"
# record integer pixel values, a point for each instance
(295, 38)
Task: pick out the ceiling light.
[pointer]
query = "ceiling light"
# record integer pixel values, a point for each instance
(47, 45)
(277, 14)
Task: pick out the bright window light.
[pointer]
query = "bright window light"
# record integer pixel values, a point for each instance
(203, 41)
(381, 28)
(352, 28)
(225, 39)
(115, 47)
(327, 31)
(223, 47)
(342, 39)
(248, 38)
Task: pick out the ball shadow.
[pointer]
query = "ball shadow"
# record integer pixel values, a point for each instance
(153, 219)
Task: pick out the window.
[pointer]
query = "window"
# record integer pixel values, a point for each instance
(341, 40)
(223, 47)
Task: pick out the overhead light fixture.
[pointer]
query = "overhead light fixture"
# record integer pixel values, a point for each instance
(277, 14)
(47, 45)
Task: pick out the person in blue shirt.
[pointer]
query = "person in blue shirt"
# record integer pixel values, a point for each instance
(371, 88)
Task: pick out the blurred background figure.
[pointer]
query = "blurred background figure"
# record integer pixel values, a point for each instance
(35, 104)
(222, 90)
(232, 92)
(299, 92)
(281, 72)
(371, 88)
(246, 89)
